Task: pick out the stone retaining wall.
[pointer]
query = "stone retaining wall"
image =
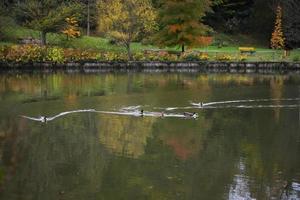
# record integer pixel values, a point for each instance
(147, 66)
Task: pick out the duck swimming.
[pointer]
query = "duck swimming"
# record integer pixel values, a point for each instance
(44, 119)
(190, 115)
(200, 105)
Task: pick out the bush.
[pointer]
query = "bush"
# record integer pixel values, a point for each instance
(243, 57)
(24, 53)
(55, 54)
(296, 58)
(154, 56)
(112, 56)
(224, 57)
(2, 53)
(77, 55)
(190, 56)
(139, 56)
(203, 57)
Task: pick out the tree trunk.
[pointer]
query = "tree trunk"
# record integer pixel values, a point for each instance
(88, 18)
(44, 38)
(182, 48)
(129, 51)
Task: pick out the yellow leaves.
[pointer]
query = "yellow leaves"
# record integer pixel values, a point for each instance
(71, 30)
(71, 33)
(119, 35)
(129, 18)
(277, 40)
(112, 14)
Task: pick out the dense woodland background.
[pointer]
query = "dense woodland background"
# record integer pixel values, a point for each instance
(253, 18)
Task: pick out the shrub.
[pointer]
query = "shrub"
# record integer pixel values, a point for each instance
(203, 57)
(139, 56)
(55, 54)
(190, 56)
(224, 57)
(166, 56)
(2, 53)
(113, 56)
(24, 53)
(243, 57)
(296, 58)
(77, 55)
(156, 56)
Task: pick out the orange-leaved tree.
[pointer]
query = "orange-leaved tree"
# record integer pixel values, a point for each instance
(71, 30)
(277, 40)
(181, 23)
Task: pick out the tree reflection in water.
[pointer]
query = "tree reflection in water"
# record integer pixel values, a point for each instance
(224, 154)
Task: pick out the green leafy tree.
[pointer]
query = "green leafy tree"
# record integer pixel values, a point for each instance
(45, 15)
(181, 23)
(291, 23)
(229, 15)
(124, 20)
(88, 15)
(1, 25)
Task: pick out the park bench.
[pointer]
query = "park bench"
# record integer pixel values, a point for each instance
(29, 40)
(247, 50)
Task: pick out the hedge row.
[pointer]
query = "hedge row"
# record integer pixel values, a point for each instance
(36, 53)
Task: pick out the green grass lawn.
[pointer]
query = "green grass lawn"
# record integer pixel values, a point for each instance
(230, 45)
(96, 43)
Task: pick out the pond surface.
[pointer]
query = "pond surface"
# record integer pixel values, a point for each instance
(244, 144)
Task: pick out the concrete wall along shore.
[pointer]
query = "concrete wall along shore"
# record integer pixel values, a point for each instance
(149, 66)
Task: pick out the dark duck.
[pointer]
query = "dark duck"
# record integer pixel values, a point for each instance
(190, 115)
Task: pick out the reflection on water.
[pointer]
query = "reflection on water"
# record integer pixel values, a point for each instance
(244, 144)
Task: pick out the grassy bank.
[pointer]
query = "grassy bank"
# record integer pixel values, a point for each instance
(13, 33)
(224, 47)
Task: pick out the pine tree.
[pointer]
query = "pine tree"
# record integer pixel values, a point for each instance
(277, 40)
(291, 23)
(181, 24)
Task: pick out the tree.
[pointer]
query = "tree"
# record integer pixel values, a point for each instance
(1, 24)
(124, 20)
(88, 13)
(71, 30)
(45, 15)
(291, 23)
(181, 23)
(277, 40)
(229, 15)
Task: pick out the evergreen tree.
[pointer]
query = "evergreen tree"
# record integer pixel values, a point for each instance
(277, 40)
(45, 15)
(230, 15)
(181, 23)
(291, 23)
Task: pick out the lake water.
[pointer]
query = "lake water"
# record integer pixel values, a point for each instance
(245, 143)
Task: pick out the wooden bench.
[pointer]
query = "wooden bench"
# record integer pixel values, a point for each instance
(247, 50)
(29, 40)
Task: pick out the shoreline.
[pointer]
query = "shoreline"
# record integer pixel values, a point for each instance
(155, 66)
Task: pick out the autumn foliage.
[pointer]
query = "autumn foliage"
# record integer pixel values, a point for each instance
(71, 30)
(181, 22)
(277, 40)
(124, 21)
